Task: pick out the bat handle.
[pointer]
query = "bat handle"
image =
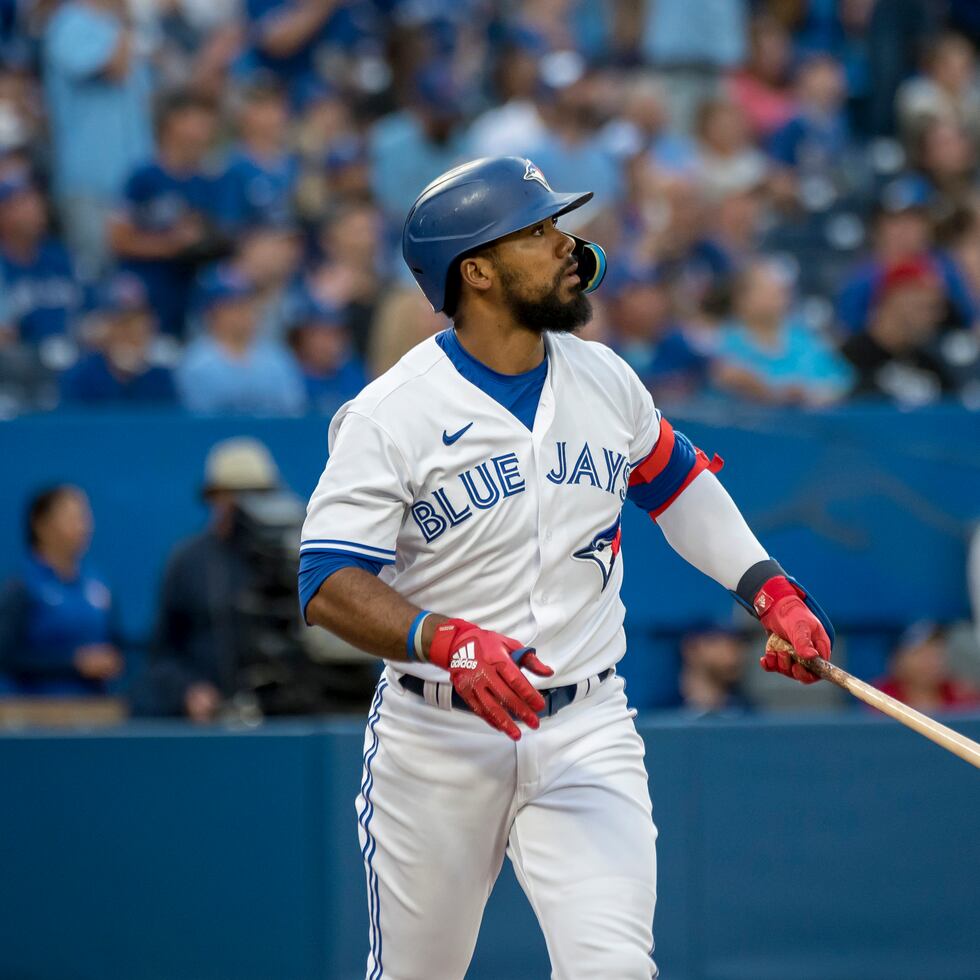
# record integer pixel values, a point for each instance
(823, 669)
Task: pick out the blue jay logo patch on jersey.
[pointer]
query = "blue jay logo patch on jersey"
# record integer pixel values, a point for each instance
(603, 550)
(531, 172)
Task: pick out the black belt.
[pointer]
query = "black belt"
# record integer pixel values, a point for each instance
(555, 698)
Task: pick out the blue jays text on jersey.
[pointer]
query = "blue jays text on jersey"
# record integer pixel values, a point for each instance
(485, 485)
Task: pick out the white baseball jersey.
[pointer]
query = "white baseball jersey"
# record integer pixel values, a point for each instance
(477, 517)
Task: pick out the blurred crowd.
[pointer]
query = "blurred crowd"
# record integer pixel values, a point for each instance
(201, 202)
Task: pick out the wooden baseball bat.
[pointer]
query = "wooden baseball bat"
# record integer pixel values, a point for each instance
(954, 742)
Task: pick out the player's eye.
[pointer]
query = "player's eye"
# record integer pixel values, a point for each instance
(538, 230)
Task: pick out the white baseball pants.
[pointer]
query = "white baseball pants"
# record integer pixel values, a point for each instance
(444, 796)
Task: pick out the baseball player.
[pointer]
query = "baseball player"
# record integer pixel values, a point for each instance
(466, 528)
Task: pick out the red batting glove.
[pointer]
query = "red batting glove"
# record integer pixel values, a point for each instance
(483, 671)
(779, 605)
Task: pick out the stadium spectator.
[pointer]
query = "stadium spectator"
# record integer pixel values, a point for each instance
(727, 158)
(347, 171)
(194, 42)
(56, 617)
(513, 125)
(919, 672)
(412, 146)
(739, 214)
(121, 371)
(22, 123)
(644, 127)
(167, 224)
(41, 292)
(958, 236)
(678, 242)
(259, 183)
(760, 86)
(694, 41)
(667, 358)
(286, 34)
(98, 83)
(352, 269)
(572, 146)
(948, 89)
(947, 159)
(712, 663)
(269, 257)
(332, 373)
(814, 142)
(902, 231)
(404, 319)
(228, 369)
(896, 357)
(323, 118)
(194, 660)
(330, 149)
(766, 354)
(896, 31)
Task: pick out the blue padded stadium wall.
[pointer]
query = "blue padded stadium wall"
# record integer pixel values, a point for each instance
(869, 507)
(830, 849)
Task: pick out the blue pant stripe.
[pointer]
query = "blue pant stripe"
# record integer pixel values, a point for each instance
(367, 851)
(370, 845)
(364, 819)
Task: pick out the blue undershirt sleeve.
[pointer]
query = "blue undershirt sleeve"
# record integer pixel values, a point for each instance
(315, 567)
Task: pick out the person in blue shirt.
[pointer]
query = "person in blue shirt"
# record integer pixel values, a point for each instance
(259, 182)
(572, 146)
(413, 146)
(814, 141)
(319, 338)
(41, 292)
(228, 369)
(667, 358)
(686, 257)
(56, 618)
(285, 35)
(902, 232)
(121, 371)
(167, 225)
(98, 90)
(767, 355)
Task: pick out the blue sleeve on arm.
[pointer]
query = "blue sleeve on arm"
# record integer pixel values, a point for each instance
(315, 567)
(653, 495)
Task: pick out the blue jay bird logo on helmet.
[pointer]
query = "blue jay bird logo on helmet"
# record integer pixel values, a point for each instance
(603, 550)
(531, 172)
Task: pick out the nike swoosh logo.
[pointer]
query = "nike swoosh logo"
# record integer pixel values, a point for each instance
(450, 439)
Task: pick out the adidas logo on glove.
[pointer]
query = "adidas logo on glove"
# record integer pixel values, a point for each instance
(464, 658)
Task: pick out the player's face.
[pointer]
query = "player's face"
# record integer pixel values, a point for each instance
(538, 279)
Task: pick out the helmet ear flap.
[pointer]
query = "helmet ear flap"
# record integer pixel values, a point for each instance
(591, 263)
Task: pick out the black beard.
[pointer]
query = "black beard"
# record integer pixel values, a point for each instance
(550, 313)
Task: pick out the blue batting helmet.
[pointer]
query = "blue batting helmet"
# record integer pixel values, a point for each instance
(475, 204)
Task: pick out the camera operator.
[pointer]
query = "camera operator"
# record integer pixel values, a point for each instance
(194, 661)
(230, 642)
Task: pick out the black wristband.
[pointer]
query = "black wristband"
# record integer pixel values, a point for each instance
(756, 577)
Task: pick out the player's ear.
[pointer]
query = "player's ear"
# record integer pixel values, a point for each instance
(477, 272)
